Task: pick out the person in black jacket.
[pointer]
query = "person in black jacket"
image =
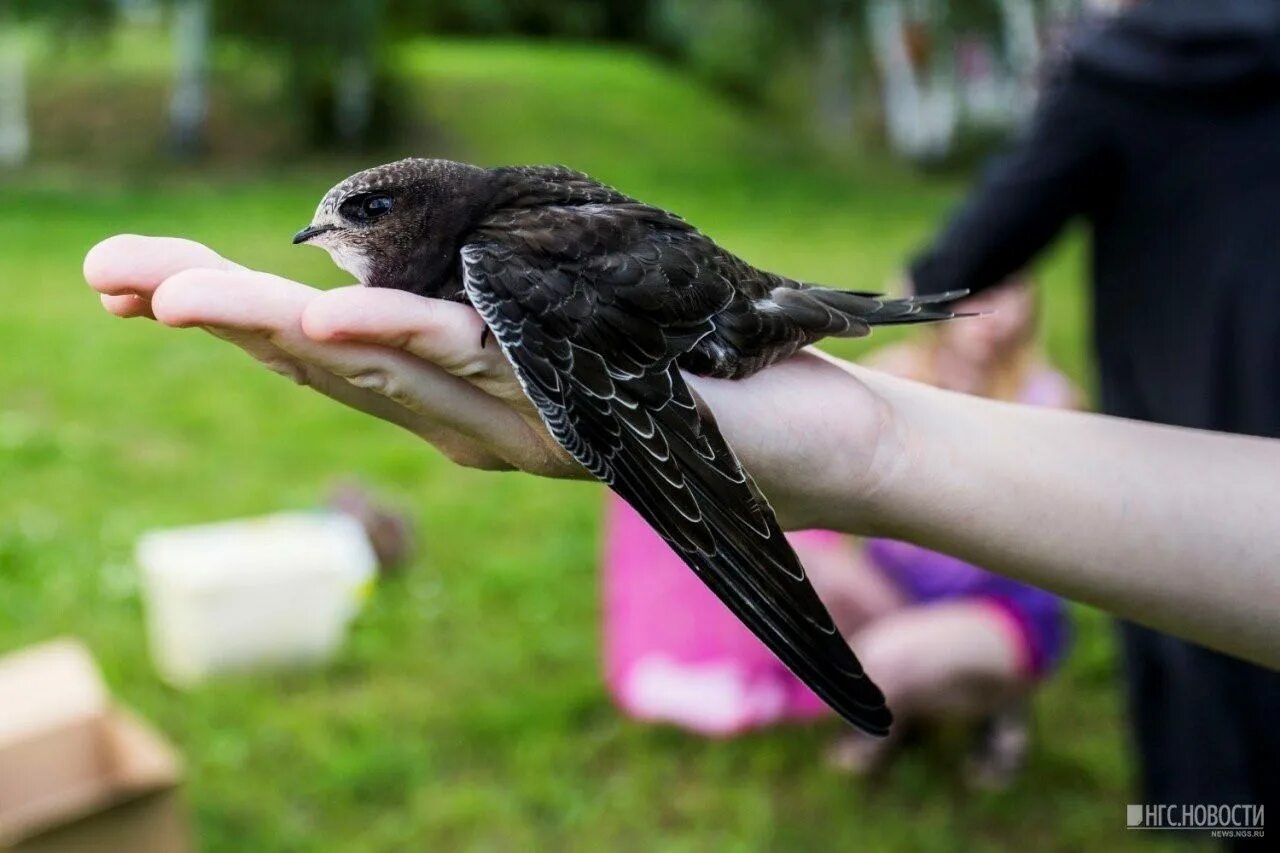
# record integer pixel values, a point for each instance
(1161, 131)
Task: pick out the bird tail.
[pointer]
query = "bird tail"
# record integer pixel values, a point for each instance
(827, 312)
(919, 309)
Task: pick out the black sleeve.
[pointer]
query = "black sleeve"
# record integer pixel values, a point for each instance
(1024, 199)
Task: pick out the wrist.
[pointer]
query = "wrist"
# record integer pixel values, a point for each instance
(780, 422)
(877, 456)
(933, 461)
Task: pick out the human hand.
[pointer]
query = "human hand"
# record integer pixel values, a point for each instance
(414, 362)
(808, 429)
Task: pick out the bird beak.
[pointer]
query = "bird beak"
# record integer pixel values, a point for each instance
(310, 231)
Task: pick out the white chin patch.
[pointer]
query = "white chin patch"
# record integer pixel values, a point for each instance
(346, 259)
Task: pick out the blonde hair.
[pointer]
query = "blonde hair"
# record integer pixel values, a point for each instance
(1008, 378)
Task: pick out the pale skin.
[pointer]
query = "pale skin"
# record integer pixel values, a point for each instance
(1176, 529)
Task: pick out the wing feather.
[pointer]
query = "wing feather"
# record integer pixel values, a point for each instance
(594, 346)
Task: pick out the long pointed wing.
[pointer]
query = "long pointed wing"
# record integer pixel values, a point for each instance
(594, 340)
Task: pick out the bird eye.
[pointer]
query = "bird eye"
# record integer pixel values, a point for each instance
(367, 207)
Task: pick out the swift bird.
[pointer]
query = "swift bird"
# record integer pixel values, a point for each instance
(599, 301)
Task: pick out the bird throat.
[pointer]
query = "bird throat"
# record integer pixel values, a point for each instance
(349, 259)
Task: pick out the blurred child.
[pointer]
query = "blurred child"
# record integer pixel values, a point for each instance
(942, 638)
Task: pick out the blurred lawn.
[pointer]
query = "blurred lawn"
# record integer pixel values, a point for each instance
(467, 711)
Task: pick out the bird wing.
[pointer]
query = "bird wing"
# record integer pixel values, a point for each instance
(594, 336)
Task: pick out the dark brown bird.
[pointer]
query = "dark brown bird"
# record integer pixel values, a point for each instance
(599, 301)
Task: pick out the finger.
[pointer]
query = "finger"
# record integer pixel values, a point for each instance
(470, 426)
(445, 333)
(236, 304)
(133, 264)
(247, 307)
(261, 314)
(126, 305)
(315, 373)
(438, 399)
(241, 300)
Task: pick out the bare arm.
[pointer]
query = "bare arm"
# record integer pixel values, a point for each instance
(1173, 528)
(1177, 529)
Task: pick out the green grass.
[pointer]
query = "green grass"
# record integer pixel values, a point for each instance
(467, 710)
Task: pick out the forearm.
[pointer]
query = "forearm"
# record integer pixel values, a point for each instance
(1172, 528)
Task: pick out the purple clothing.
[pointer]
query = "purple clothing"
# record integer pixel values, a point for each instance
(927, 576)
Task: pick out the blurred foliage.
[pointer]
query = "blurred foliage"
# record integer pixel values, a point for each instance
(322, 51)
(608, 20)
(71, 15)
(807, 63)
(731, 43)
(62, 22)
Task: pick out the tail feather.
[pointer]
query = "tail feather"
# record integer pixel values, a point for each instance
(826, 312)
(915, 309)
(935, 298)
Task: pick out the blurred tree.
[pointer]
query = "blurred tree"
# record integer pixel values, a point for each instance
(189, 102)
(835, 36)
(15, 133)
(833, 72)
(745, 46)
(332, 54)
(612, 20)
(732, 44)
(64, 19)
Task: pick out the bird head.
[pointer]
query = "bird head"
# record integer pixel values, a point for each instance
(400, 224)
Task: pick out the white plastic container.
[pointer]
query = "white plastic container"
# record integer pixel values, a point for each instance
(271, 591)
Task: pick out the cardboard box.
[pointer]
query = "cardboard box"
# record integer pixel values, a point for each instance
(77, 774)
